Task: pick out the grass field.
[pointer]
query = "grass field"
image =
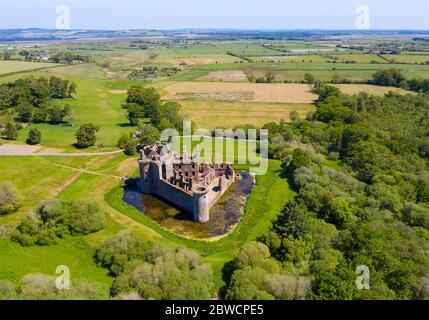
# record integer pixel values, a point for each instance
(359, 58)
(211, 114)
(31, 178)
(403, 58)
(17, 261)
(214, 91)
(94, 103)
(29, 174)
(10, 67)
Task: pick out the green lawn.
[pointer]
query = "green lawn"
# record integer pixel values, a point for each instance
(94, 103)
(17, 261)
(38, 178)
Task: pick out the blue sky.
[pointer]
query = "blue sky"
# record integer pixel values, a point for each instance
(245, 14)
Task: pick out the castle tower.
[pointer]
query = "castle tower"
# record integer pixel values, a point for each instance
(201, 204)
(146, 180)
(185, 153)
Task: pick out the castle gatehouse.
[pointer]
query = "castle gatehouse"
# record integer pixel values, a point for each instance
(184, 181)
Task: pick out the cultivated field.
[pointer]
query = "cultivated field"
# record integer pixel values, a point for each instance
(227, 76)
(212, 114)
(249, 92)
(370, 89)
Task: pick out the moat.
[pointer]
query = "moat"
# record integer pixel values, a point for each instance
(224, 215)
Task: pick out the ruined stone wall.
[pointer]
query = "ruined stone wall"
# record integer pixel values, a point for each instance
(176, 196)
(213, 196)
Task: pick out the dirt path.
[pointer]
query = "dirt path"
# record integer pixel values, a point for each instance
(105, 184)
(87, 171)
(20, 150)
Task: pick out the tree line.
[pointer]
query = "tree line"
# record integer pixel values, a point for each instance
(359, 167)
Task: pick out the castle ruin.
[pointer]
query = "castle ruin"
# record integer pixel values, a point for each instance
(184, 181)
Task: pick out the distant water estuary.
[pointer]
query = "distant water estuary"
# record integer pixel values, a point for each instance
(224, 215)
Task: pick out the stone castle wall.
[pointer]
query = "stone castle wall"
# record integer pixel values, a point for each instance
(155, 178)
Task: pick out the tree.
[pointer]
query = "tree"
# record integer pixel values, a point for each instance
(256, 277)
(300, 159)
(135, 113)
(34, 137)
(116, 252)
(25, 111)
(339, 285)
(122, 141)
(416, 215)
(9, 198)
(85, 217)
(292, 222)
(10, 132)
(338, 212)
(171, 111)
(56, 219)
(309, 78)
(388, 77)
(130, 148)
(56, 113)
(149, 134)
(154, 271)
(252, 254)
(326, 91)
(368, 158)
(143, 103)
(248, 285)
(72, 89)
(42, 287)
(7, 55)
(85, 135)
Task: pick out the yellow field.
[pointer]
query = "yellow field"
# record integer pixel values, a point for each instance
(196, 60)
(212, 114)
(370, 89)
(250, 92)
(225, 75)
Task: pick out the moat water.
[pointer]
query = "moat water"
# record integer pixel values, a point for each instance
(224, 215)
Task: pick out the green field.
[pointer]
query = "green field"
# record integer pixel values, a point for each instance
(17, 261)
(270, 194)
(11, 67)
(94, 103)
(102, 86)
(411, 59)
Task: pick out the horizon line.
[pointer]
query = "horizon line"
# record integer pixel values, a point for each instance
(220, 29)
